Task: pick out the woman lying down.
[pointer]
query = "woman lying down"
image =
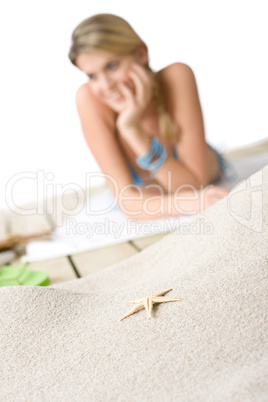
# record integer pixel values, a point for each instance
(144, 128)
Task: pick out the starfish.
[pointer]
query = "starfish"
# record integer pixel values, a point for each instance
(147, 303)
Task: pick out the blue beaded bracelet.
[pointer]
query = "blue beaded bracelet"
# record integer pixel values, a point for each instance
(154, 159)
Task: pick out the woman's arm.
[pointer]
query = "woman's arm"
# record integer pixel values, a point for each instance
(147, 202)
(182, 102)
(98, 126)
(181, 95)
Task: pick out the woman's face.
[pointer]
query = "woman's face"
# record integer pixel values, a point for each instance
(106, 71)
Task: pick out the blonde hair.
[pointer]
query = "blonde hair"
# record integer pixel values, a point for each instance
(112, 34)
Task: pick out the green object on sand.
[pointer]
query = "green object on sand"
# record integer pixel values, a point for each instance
(19, 276)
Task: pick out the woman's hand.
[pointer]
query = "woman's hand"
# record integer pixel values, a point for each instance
(136, 100)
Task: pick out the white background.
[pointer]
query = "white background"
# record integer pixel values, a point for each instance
(224, 42)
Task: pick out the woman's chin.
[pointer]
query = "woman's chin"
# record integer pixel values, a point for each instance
(117, 106)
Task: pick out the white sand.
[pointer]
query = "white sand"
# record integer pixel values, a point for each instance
(65, 342)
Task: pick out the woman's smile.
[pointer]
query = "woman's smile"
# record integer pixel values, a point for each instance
(106, 72)
(117, 96)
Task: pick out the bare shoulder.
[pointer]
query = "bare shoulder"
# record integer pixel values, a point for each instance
(84, 96)
(178, 86)
(180, 94)
(176, 73)
(87, 105)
